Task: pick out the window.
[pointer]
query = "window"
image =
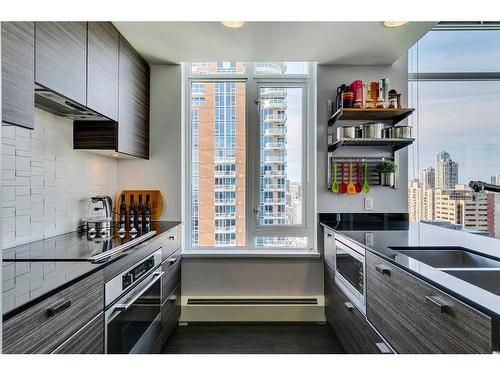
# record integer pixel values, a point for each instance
(248, 141)
(455, 86)
(218, 164)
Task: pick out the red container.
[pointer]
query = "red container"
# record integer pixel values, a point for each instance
(357, 88)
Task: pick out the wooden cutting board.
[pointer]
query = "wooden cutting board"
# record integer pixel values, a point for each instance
(155, 197)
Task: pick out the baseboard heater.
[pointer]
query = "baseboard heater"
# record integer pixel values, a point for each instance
(252, 301)
(252, 308)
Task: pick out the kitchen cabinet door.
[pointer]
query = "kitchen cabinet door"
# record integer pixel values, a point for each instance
(102, 68)
(416, 317)
(43, 327)
(133, 118)
(18, 70)
(88, 340)
(61, 58)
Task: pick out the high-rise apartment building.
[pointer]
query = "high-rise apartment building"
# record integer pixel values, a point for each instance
(446, 171)
(218, 158)
(462, 206)
(420, 201)
(495, 179)
(428, 177)
(273, 149)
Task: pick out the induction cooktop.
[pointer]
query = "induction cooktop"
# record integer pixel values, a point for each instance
(85, 246)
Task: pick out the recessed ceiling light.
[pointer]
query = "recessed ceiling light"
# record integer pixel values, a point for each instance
(394, 23)
(233, 24)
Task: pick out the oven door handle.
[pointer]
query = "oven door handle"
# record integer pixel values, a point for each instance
(130, 302)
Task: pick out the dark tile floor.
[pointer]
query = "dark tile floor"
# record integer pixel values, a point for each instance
(250, 338)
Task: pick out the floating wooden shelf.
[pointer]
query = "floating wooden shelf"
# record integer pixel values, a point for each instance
(395, 143)
(394, 115)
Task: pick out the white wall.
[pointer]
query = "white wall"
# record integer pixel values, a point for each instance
(385, 199)
(46, 184)
(163, 169)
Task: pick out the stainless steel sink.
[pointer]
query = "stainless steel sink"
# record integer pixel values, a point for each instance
(448, 258)
(485, 279)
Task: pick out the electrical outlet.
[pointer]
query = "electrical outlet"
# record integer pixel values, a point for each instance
(368, 203)
(369, 238)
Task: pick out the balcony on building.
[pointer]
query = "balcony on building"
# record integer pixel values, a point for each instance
(274, 159)
(225, 202)
(274, 173)
(276, 131)
(225, 188)
(225, 229)
(275, 145)
(280, 119)
(225, 173)
(273, 215)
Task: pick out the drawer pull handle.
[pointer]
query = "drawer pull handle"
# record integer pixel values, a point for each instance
(437, 304)
(171, 238)
(383, 348)
(172, 261)
(383, 269)
(349, 306)
(57, 308)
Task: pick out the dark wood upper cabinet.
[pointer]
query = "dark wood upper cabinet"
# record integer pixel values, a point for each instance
(102, 68)
(133, 119)
(61, 58)
(18, 71)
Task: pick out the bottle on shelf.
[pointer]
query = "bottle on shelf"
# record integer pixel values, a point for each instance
(132, 213)
(123, 214)
(140, 214)
(147, 214)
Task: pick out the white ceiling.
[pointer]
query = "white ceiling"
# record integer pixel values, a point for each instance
(349, 43)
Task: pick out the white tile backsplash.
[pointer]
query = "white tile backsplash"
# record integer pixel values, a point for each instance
(47, 184)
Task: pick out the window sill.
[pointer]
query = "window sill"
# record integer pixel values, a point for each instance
(251, 254)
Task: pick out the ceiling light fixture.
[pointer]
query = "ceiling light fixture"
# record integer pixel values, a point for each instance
(233, 24)
(392, 24)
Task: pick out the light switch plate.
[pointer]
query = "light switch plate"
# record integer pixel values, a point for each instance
(369, 238)
(368, 203)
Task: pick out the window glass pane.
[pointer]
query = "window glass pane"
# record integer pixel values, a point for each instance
(223, 67)
(300, 242)
(281, 68)
(280, 156)
(218, 163)
(457, 51)
(458, 139)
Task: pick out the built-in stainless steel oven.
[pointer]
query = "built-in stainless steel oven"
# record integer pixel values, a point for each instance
(350, 271)
(133, 303)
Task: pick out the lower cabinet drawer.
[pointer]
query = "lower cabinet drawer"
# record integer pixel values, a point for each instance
(171, 241)
(170, 312)
(172, 268)
(45, 326)
(350, 325)
(415, 317)
(88, 340)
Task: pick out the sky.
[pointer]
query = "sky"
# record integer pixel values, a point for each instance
(462, 118)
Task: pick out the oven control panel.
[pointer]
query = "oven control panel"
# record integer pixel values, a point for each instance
(137, 272)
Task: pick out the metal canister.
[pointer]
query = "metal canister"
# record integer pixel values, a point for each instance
(372, 129)
(346, 132)
(402, 132)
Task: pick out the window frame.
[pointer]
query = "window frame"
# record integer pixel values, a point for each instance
(252, 81)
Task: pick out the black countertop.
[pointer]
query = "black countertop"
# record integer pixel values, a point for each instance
(388, 234)
(26, 281)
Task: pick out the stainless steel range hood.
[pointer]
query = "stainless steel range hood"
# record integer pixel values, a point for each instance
(57, 104)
